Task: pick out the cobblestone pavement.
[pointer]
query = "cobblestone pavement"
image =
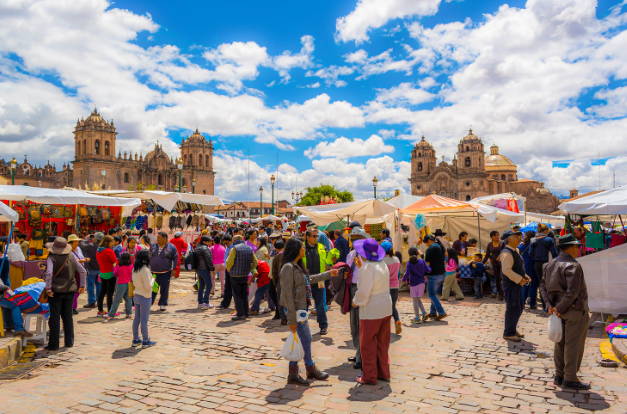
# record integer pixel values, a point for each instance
(460, 365)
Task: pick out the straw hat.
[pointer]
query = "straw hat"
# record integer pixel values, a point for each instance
(73, 238)
(60, 246)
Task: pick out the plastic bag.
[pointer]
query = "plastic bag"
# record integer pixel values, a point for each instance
(292, 349)
(15, 253)
(555, 328)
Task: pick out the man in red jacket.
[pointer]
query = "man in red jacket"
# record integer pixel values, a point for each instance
(181, 247)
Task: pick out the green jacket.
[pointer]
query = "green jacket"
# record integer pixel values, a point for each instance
(322, 253)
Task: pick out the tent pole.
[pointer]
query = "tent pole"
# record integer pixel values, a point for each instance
(479, 230)
(525, 211)
(6, 251)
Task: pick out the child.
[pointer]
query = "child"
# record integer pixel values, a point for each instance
(394, 266)
(262, 275)
(415, 275)
(123, 273)
(451, 277)
(478, 269)
(143, 281)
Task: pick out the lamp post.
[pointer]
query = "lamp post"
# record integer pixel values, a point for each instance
(374, 184)
(272, 182)
(179, 164)
(184, 188)
(297, 196)
(193, 185)
(13, 165)
(260, 201)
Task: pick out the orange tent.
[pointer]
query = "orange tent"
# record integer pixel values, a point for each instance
(434, 202)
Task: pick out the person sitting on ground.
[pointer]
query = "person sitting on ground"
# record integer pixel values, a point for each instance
(477, 271)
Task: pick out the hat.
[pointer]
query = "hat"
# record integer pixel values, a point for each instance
(312, 225)
(369, 249)
(99, 236)
(204, 231)
(73, 238)
(354, 224)
(275, 235)
(508, 233)
(439, 232)
(359, 231)
(178, 233)
(287, 235)
(387, 246)
(567, 240)
(60, 246)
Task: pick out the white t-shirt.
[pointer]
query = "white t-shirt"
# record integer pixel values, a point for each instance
(373, 291)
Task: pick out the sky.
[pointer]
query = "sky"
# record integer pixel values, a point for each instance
(340, 90)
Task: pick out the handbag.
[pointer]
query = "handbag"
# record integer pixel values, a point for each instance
(46, 210)
(45, 293)
(68, 212)
(58, 211)
(34, 214)
(93, 211)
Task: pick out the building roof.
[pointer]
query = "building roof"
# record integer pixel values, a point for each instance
(470, 138)
(244, 205)
(94, 118)
(423, 144)
(496, 161)
(581, 196)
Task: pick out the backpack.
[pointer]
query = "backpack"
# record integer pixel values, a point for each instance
(190, 261)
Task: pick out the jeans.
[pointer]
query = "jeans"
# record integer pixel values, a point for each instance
(531, 291)
(537, 264)
(205, 283)
(319, 296)
(478, 282)
(304, 334)
(259, 294)
(142, 313)
(93, 286)
(61, 308)
(513, 308)
(493, 285)
(228, 291)
(239, 286)
(275, 294)
(394, 295)
(433, 283)
(14, 313)
(163, 280)
(108, 289)
(121, 293)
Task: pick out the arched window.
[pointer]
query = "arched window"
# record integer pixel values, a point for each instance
(107, 148)
(160, 179)
(184, 182)
(97, 147)
(467, 198)
(200, 160)
(503, 177)
(467, 183)
(85, 146)
(443, 194)
(40, 173)
(467, 149)
(185, 159)
(511, 177)
(467, 162)
(126, 177)
(207, 161)
(419, 155)
(419, 166)
(78, 148)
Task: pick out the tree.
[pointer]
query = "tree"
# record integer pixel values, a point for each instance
(315, 194)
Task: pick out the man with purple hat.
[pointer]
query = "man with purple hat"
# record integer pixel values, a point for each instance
(375, 310)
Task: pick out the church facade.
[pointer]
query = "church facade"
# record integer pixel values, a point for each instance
(472, 174)
(96, 166)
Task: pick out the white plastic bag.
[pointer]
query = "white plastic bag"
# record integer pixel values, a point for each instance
(252, 288)
(555, 328)
(15, 253)
(293, 349)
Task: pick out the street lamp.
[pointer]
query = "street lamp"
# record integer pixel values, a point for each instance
(260, 201)
(374, 184)
(193, 185)
(179, 164)
(185, 188)
(13, 165)
(297, 196)
(272, 182)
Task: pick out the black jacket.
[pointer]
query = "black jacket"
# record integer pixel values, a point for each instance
(435, 256)
(89, 249)
(204, 261)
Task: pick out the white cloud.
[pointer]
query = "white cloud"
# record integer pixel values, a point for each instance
(403, 94)
(387, 133)
(340, 84)
(235, 62)
(331, 74)
(379, 64)
(288, 60)
(313, 85)
(347, 148)
(372, 14)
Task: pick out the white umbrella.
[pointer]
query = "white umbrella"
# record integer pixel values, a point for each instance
(7, 213)
(54, 196)
(611, 202)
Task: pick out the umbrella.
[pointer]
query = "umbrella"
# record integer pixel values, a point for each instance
(336, 225)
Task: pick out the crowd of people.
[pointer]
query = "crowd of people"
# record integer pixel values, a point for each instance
(295, 271)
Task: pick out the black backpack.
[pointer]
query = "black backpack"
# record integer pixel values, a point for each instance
(190, 261)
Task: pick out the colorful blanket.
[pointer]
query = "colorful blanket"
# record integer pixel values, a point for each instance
(27, 297)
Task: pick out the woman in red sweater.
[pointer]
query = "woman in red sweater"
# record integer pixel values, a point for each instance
(107, 261)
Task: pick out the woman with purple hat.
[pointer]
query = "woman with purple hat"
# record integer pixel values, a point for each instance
(375, 310)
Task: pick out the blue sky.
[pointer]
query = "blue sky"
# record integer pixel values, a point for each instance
(339, 89)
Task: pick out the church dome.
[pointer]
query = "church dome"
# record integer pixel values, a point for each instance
(423, 144)
(94, 118)
(196, 137)
(498, 162)
(470, 138)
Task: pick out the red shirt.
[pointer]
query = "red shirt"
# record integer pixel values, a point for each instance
(106, 259)
(180, 244)
(263, 271)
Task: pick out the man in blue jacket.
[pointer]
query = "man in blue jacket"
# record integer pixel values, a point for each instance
(342, 245)
(541, 246)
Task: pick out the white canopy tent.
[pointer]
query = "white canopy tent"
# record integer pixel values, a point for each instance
(362, 211)
(403, 200)
(7, 213)
(54, 196)
(554, 221)
(608, 203)
(165, 199)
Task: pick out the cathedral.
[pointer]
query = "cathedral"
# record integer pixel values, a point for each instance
(472, 174)
(95, 165)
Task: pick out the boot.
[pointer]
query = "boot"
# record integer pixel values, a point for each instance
(294, 378)
(315, 373)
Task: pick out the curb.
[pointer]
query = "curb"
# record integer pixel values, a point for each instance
(10, 353)
(618, 346)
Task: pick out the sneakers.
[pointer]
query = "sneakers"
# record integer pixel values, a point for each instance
(103, 313)
(207, 306)
(254, 313)
(324, 331)
(148, 344)
(440, 317)
(129, 316)
(425, 316)
(220, 307)
(162, 308)
(399, 328)
(265, 310)
(200, 306)
(136, 343)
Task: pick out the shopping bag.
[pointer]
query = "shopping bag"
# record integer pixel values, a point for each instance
(292, 349)
(155, 285)
(131, 289)
(555, 328)
(252, 288)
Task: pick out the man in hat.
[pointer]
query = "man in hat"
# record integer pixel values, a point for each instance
(181, 247)
(439, 234)
(514, 278)
(564, 290)
(315, 261)
(89, 249)
(357, 233)
(240, 262)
